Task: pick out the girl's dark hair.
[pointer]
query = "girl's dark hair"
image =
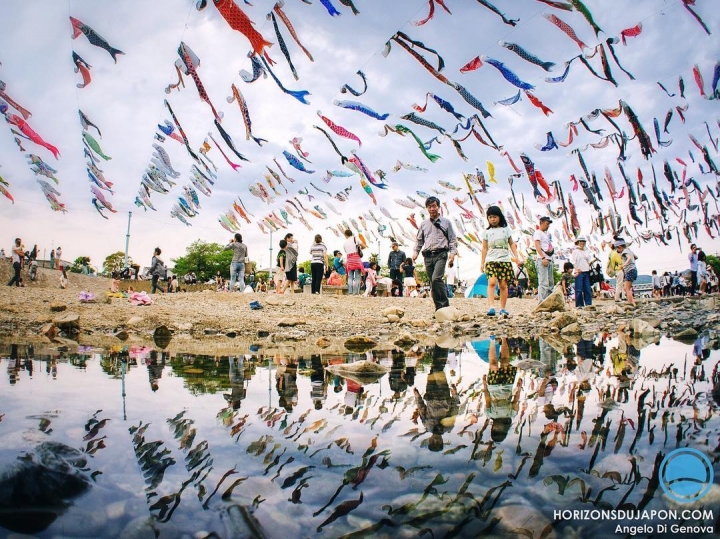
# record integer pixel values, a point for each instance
(495, 210)
(158, 251)
(318, 238)
(701, 256)
(408, 261)
(238, 237)
(348, 233)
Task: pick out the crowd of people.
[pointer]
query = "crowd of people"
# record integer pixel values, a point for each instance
(582, 278)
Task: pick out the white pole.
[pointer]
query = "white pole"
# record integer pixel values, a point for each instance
(127, 241)
(270, 261)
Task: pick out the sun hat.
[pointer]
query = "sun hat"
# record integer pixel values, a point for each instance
(579, 239)
(619, 243)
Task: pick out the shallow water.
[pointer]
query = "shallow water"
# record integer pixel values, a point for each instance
(135, 442)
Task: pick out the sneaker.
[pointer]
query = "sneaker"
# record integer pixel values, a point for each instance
(504, 313)
(491, 312)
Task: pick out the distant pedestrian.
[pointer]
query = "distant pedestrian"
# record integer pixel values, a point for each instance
(157, 271)
(451, 279)
(17, 254)
(58, 257)
(239, 259)
(629, 269)
(52, 259)
(318, 264)
(702, 273)
(354, 265)
(281, 265)
(371, 280)
(544, 260)
(438, 243)
(395, 260)
(291, 257)
(693, 259)
(581, 259)
(615, 269)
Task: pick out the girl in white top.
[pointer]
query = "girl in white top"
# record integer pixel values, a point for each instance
(496, 260)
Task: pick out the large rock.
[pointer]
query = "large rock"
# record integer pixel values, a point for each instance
(420, 323)
(640, 327)
(447, 314)
(572, 329)
(563, 319)
(290, 321)
(397, 311)
(405, 340)
(134, 320)
(279, 300)
(49, 331)
(554, 302)
(39, 487)
(67, 321)
(688, 334)
(57, 307)
(360, 343)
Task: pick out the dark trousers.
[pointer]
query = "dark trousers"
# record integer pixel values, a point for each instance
(693, 283)
(435, 268)
(583, 291)
(155, 286)
(316, 272)
(16, 278)
(397, 275)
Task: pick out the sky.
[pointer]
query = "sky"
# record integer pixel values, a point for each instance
(125, 100)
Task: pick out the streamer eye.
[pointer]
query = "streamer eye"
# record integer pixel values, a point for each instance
(201, 4)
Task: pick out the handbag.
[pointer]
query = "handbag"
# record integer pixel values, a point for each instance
(359, 251)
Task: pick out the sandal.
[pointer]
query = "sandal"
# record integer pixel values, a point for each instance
(491, 312)
(504, 313)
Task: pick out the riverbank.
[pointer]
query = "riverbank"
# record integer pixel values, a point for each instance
(225, 322)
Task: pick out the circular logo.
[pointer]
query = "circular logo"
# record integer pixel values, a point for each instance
(686, 474)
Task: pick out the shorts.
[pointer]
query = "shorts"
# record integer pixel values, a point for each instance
(630, 275)
(502, 270)
(291, 274)
(409, 281)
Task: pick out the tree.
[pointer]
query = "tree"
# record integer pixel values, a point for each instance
(78, 264)
(115, 262)
(205, 259)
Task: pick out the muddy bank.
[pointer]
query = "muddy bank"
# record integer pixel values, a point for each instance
(225, 322)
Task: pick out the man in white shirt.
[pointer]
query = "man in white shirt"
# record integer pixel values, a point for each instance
(451, 279)
(544, 261)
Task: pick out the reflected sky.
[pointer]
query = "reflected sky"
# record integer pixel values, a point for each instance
(489, 438)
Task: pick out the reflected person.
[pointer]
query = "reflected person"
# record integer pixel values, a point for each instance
(501, 401)
(438, 408)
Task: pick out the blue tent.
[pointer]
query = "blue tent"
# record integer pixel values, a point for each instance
(480, 288)
(482, 348)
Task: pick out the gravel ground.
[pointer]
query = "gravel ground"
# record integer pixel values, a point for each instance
(225, 321)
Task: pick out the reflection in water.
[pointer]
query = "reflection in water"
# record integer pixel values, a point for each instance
(487, 439)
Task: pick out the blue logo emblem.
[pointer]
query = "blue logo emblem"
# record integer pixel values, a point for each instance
(686, 475)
